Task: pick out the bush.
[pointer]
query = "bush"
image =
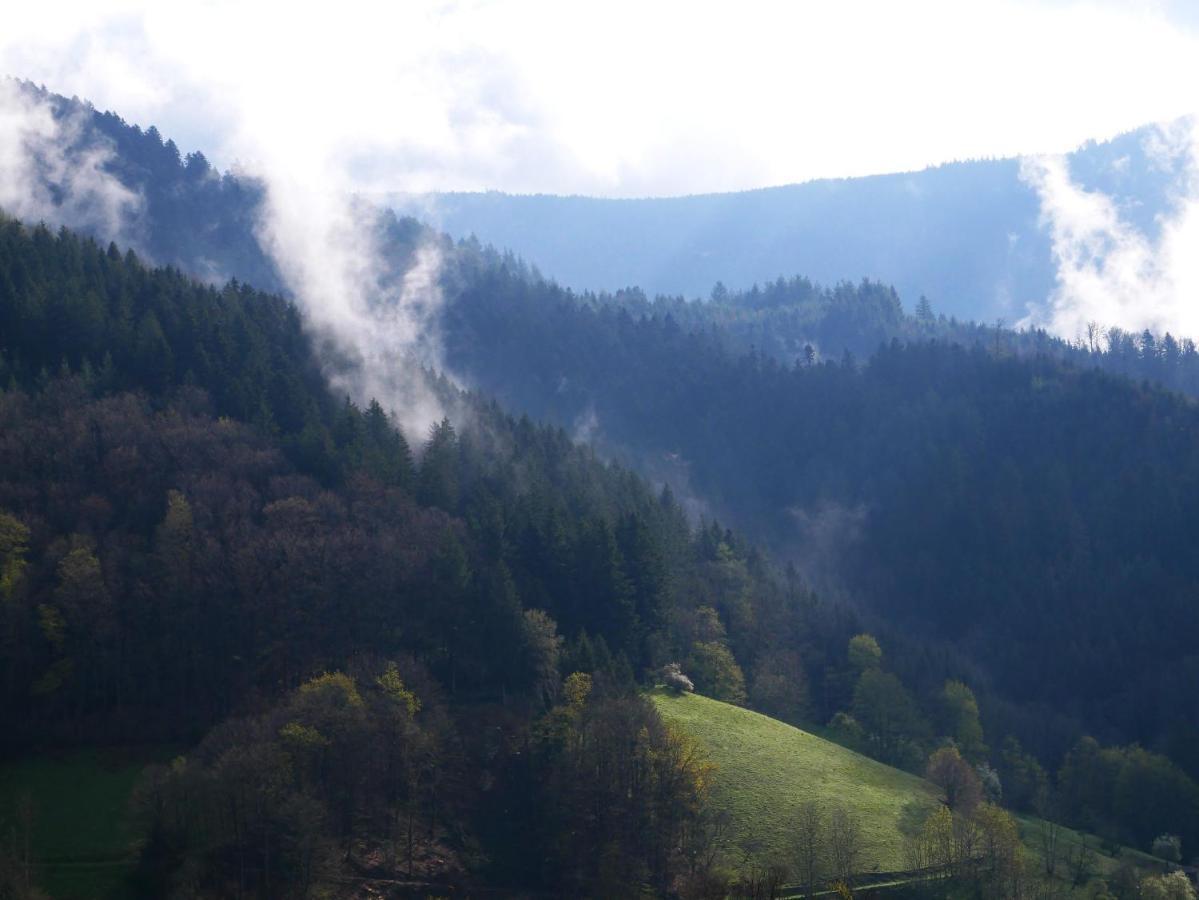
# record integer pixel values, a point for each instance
(716, 672)
(673, 678)
(1168, 847)
(1175, 886)
(953, 775)
(992, 786)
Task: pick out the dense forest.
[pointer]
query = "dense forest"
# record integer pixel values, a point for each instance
(974, 493)
(203, 546)
(204, 542)
(222, 549)
(188, 214)
(796, 320)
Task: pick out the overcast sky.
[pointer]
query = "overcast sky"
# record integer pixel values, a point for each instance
(614, 98)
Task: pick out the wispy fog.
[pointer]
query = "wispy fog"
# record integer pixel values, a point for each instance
(1109, 271)
(378, 327)
(49, 174)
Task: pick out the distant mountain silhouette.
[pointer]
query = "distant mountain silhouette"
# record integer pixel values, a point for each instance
(966, 235)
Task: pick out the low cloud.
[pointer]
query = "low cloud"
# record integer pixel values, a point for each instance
(1109, 271)
(53, 171)
(823, 534)
(467, 96)
(586, 426)
(378, 326)
(374, 311)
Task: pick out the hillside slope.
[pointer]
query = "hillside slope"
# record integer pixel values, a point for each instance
(971, 500)
(765, 769)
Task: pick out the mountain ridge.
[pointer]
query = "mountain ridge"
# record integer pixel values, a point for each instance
(899, 228)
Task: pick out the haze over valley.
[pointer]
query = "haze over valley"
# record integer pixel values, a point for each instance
(482, 449)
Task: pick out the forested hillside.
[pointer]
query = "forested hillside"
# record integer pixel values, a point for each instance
(168, 566)
(194, 529)
(734, 403)
(218, 537)
(795, 320)
(187, 213)
(1035, 512)
(207, 223)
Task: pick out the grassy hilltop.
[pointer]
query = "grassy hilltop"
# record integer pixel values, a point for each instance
(766, 769)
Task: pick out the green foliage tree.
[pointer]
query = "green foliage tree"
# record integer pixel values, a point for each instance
(979, 848)
(153, 359)
(779, 686)
(960, 720)
(848, 731)
(437, 483)
(620, 793)
(14, 544)
(1022, 776)
(543, 648)
(864, 653)
(1172, 886)
(1127, 793)
(716, 672)
(887, 713)
(267, 805)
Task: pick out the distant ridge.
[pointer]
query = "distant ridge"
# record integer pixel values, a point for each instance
(964, 234)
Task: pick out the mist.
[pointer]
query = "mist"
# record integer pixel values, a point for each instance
(52, 173)
(377, 328)
(1110, 272)
(366, 102)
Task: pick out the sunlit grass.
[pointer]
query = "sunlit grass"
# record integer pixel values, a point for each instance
(766, 770)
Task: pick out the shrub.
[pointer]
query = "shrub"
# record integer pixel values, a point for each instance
(673, 678)
(1168, 846)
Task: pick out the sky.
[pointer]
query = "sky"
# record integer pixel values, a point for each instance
(613, 98)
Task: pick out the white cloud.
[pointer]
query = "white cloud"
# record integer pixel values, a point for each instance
(1110, 272)
(48, 175)
(618, 97)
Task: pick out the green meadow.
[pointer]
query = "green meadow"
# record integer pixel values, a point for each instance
(74, 809)
(765, 769)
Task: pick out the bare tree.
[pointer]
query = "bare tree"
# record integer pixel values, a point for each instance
(761, 883)
(845, 844)
(16, 854)
(1081, 860)
(1051, 834)
(809, 835)
(704, 842)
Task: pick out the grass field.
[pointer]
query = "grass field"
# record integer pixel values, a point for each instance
(766, 769)
(83, 836)
(1103, 858)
